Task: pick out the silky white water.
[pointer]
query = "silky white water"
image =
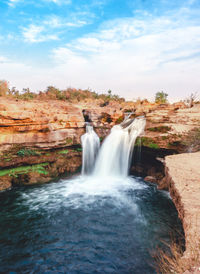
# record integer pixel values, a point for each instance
(116, 152)
(90, 144)
(104, 170)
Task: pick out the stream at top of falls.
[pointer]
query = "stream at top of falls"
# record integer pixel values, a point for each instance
(93, 223)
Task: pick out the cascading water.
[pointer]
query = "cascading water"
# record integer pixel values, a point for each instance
(90, 144)
(116, 152)
(88, 224)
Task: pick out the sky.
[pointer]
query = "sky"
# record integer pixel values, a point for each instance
(133, 47)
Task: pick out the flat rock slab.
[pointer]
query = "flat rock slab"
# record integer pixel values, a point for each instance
(183, 179)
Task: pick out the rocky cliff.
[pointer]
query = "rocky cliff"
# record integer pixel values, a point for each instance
(37, 131)
(183, 180)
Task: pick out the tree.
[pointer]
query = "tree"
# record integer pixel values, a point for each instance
(14, 92)
(3, 88)
(109, 93)
(161, 97)
(191, 99)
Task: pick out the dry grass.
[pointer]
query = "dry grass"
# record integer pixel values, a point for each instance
(175, 261)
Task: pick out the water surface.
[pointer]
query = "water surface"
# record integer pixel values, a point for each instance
(84, 225)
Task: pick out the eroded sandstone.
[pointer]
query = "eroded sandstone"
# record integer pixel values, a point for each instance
(47, 125)
(183, 180)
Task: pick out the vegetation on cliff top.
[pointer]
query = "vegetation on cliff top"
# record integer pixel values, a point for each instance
(51, 92)
(161, 97)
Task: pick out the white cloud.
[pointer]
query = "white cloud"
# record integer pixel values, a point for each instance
(59, 22)
(3, 59)
(12, 3)
(35, 34)
(134, 58)
(131, 57)
(48, 29)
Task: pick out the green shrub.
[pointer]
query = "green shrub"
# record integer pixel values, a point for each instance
(63, 151)
(147, 142)
(161, 97)
(163, 129)
(79, 149)
(69, 141)
(153, 145)
(27, 152)
(39, 168)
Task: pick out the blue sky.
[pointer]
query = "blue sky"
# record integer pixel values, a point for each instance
(135, 48)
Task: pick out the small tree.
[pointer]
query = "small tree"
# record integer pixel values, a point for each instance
(109, 93)
(3, 88)
(191, 99)
(13, 91)
(161, 97)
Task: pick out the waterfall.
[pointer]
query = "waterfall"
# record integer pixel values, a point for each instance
(90, 145)
(116, 152)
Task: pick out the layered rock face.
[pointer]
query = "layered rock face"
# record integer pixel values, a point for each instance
(50, 124)
(183, 180)
(44, 125)
(54, 125)
(41, 168)
(40, 140)
(167, 124)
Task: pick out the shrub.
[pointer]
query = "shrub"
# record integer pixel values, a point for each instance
(69, 141)
(14, 172)
(147, 142)
(27, 152)
(162, 129)
(51, 92)
(161, 97)
(153, 145)
(79, 149)
(65, 151)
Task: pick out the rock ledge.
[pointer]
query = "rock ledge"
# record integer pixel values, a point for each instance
(183, 180)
